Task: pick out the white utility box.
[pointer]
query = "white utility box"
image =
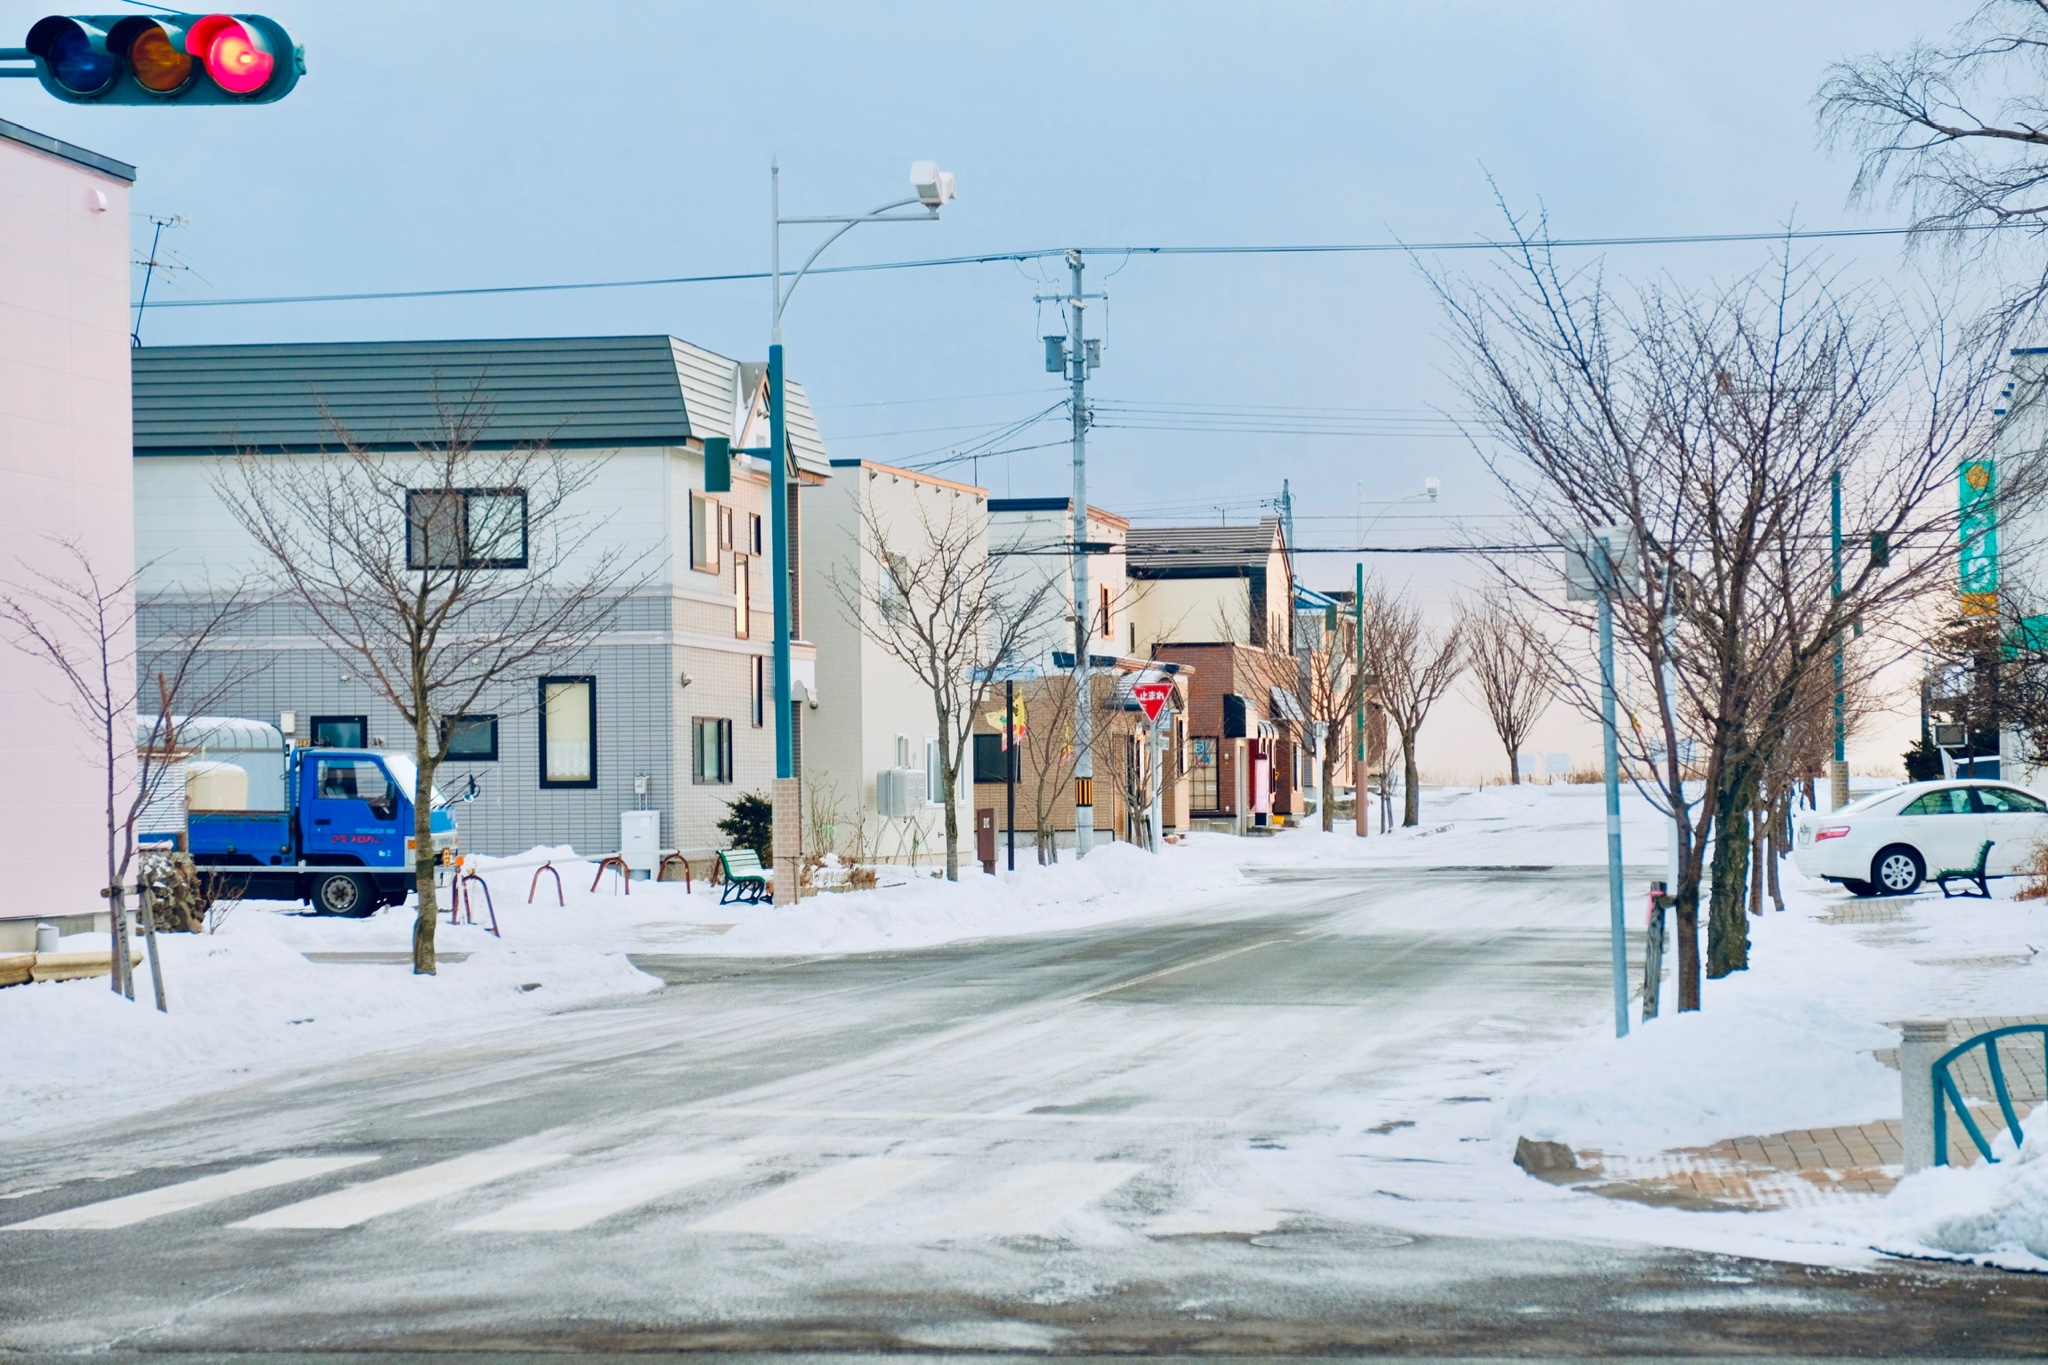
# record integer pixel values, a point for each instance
(640, 839)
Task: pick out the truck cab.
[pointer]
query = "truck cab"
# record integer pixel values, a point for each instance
(343, 842)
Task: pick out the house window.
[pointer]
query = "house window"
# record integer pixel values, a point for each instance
(703, 533)
(934, 779)
(891, 589)
(742, 596)
(338, 732)
(725, 528)
(568, 732)
(754, 534)
(758, 712)
(465, 528)
(1202, 789)
(989, 765)
(1108, 627)
(710, 750)
(473, 739)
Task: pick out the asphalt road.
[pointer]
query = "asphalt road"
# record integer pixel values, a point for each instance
(1029, 1145)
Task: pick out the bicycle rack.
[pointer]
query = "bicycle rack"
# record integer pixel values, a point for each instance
(534, 885)
(467, 878)
(661, 873)
(616, 864)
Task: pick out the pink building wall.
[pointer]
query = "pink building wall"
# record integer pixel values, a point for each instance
(66, 470)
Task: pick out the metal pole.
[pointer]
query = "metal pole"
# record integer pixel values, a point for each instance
(1010, 769)
(1838, 777)
(1158, 803)
(778, 483)
(1084, 617)
(1359, 814)
(1611, 760)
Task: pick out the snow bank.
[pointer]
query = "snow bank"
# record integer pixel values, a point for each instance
(1993, 1214)
(1116, 881)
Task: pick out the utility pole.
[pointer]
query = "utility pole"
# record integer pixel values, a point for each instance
(1076, 355)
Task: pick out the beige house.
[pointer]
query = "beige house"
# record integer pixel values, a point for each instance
(872, 756)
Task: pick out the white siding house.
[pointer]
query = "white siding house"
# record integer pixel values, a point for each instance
(666, 712)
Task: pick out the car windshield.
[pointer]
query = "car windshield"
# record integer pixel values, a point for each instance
(407, 775)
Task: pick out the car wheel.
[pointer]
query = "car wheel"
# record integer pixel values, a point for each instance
(1856, 888)
(1897, 871)
(338, 893)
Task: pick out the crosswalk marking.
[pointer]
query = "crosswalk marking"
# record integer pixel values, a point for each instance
(374, 1198)
(135, 1208)
(808, 1203)
(585, 1202)
(1034, 1198)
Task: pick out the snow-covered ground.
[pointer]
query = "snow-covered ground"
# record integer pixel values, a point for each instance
(246, 1000)
(1786, 1045)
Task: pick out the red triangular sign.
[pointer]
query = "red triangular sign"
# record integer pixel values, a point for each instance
(1153, 696)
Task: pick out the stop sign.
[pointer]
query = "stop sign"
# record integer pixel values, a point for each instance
(1153, 696)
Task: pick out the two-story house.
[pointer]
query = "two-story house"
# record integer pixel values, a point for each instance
(669, 710)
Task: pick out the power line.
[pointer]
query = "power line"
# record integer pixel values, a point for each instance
(1040, 253)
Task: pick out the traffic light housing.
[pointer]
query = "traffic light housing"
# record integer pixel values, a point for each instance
(164, 58)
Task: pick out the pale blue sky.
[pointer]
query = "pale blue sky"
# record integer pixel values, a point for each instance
(445, 145)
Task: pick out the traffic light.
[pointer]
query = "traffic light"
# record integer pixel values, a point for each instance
(164, 58)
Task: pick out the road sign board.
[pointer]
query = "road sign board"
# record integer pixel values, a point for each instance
(1152, 696)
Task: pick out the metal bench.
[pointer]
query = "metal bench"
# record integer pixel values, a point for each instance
(1972, 875)
(745, 878)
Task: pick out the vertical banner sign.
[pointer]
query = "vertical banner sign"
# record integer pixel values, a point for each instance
(1977, 489)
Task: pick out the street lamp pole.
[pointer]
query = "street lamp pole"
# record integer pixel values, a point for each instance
(933, 188)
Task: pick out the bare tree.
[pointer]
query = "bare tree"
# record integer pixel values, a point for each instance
(1509, 661)
(1411, 666)
(97, 635)
(1046, 757)
(440, 574)
(1323, 678)
(1713, 430)
(1958, 133)
(936, 603)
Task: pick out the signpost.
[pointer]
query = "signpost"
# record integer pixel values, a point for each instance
(1152, 698)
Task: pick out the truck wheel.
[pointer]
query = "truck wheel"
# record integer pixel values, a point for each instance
(339, 893)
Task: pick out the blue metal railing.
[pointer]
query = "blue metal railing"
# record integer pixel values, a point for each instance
(1947, 1093)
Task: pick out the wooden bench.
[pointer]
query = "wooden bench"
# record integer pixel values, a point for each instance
(745, 878)
(1973, 875)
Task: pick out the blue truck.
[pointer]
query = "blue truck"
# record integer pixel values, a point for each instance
(343, 840)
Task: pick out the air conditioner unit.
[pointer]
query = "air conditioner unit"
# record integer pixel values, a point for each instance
(899, 792)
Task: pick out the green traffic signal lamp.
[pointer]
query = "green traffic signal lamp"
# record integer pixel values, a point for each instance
(164, 58)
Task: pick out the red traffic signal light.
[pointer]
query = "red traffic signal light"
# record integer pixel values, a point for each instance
(163, 58)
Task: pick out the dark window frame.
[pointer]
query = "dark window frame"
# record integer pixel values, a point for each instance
(491, 756)
(589, 681)
(1197, 768)
(722, 728)
(757, 709)
(415, 541)
(314, 724)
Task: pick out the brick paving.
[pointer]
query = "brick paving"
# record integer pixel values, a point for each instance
(1806, 1166)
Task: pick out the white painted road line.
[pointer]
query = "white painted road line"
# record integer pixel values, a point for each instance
(135, 1208)
(808, 1203)
(374, 1198)
(1034, 1198)
(585, 1202)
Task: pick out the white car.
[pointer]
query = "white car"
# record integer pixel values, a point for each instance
(1886, 844)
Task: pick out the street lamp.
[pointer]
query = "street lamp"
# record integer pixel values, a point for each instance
(931, 188)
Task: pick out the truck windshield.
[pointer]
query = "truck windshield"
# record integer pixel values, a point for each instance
(407, 775)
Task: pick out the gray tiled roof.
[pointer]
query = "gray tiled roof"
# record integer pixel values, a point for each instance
(571, 392)
(1150, 550)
